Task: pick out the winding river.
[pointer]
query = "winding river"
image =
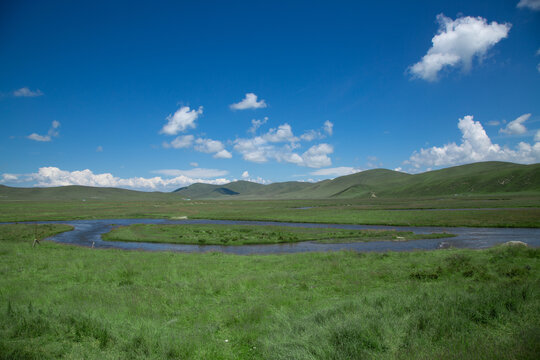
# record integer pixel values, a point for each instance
(88, 233)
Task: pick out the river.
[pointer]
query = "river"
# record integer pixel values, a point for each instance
(88, 233)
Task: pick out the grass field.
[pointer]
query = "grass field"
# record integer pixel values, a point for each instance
(508, 210)
(59, 301)
(249, 234)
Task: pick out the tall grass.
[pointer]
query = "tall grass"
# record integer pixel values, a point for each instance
(251, 234)
(59, 301)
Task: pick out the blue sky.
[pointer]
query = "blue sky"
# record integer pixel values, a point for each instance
(157, 96)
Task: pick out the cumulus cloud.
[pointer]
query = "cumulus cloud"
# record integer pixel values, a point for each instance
(255, 124)
(516, 127)
(184, 141)
(311, 135)
(328, 127)
(337, 171)
(249, 102)
(245, 174)
(53, 132)
(537, 136)
(279, 144)
(26, 92)
(282, 133)
(457, 43)
(210, 146)
(9, 178)
(223, 154)
(183, 119)
(530, 4)
(193, 173)
(53, 176)
(475, 146)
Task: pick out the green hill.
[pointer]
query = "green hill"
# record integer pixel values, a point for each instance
(77, 193)
(478, 178)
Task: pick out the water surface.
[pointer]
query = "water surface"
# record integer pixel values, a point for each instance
(88, 233)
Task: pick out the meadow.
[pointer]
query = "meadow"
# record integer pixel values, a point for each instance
(60, 301)
(498, 210)
(250, 234)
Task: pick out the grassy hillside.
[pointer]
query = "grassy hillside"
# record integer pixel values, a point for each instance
(479, 178)
(77, 193)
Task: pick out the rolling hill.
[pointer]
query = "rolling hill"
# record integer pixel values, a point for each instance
(477, 178)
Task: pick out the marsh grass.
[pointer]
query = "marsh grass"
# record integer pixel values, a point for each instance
(59, 301)
(516, 210)
(252, 234)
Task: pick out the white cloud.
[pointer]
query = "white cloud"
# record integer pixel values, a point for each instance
(99, 149)
(249, 102)
(283, 133)
(53, 176)
(183, 141)
(261, 148)
(317, 156)
(37, 137)
(475, 146)
(245, 174)
(208, 145)
(337, 171)
(50, 134)
(537, 136)
(311, 135)
(223, 154)
(255, 124)
(258, 180)
(458, 42)
(197, 172)
(194, 164)
(8, 178)
(516, 127)
(328, 127)
(531, 4)
(183, 119)
(26, 92)
(494, 123)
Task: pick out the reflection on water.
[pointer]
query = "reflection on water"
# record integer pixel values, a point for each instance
(88, 233)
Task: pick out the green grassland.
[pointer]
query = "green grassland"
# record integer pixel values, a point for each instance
(509, 210)
(478, 178)
(59, 301)
(491, 194)
(249, 234)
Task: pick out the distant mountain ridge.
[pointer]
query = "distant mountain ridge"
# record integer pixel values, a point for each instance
(478, 178)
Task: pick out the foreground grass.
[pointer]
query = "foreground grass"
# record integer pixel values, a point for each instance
(58, 301)
(508, 210)
(250, 234)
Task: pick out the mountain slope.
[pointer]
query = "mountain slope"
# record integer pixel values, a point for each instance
(478, 178)
(77, 193)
